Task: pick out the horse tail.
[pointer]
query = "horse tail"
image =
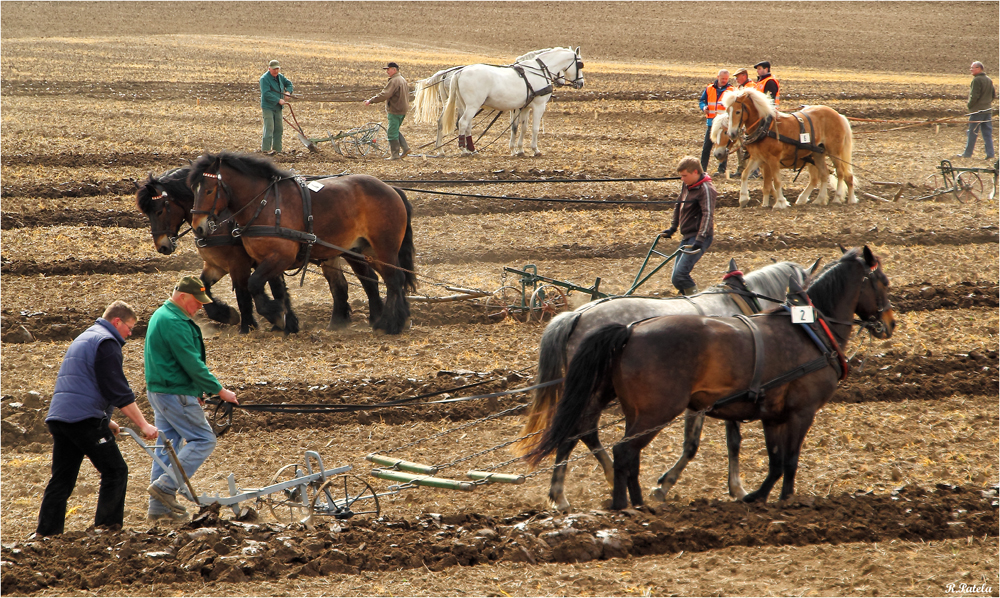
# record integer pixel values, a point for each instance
(551, 366)
(448, 114)
(427, 100)
(589, 372)
(407, 252)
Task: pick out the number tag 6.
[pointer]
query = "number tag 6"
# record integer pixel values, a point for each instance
(803, 314)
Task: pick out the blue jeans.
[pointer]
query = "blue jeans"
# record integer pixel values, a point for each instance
(273, 128)
(980, 121)
(681, 278)
(182, 420)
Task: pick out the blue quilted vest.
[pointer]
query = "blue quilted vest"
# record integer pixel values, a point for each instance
(77, 396)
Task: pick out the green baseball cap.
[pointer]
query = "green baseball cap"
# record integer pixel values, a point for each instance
(274, 64)
(192, 285)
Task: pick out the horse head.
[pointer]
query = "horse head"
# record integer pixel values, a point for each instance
(165, 214)
(205, 181)
(746, 108)
(566, 66)
(874, 307)
(720, 136)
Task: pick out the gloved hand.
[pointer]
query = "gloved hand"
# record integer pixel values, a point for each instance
(697, 244)
(668, 233)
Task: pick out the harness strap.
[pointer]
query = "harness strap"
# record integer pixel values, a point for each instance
(217, 241)
(742, 304)
(755, 392)
(701, 312)
(793, 374)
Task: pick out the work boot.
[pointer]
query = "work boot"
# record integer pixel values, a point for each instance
(404, 145)
(394, 145)
(168, 500)
(689, 291)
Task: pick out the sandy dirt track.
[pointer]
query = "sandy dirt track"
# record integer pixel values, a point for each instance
(897, 485)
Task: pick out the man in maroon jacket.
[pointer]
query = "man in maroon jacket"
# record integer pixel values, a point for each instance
(694, 215)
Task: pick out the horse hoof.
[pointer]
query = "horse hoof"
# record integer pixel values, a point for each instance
(234, 316)
(537, 154)
(560, 505)
(781, 206)
(658, 495)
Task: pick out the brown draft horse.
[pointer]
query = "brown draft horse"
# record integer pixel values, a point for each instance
(657, 368)
(772, 139)
(167, 201)
(355, 218)
(564, 334)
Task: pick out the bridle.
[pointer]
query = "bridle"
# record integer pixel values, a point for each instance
(214, 214)
(173, 239)
(873, 324)
(554, 79)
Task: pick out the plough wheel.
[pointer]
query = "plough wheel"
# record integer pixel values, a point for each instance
(374, 141)
(503, 303)
(546, 302)
(970, 186)
(291, 505)
(344, 497)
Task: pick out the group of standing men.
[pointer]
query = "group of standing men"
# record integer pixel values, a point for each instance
(276, 91)
(92, 382)
(710, 103)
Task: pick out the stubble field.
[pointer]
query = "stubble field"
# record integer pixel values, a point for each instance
(897, 482)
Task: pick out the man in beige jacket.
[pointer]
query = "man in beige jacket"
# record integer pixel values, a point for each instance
(396, 96)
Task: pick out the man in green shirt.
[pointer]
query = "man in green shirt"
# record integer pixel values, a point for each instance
(275, 88)
(176, 379)
(981, 94)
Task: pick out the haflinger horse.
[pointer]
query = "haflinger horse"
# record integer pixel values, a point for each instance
(285, 223)
(779, 140)
(660, 367)
(724, 145)
(167, 201)
(564, 334)
(521, 86)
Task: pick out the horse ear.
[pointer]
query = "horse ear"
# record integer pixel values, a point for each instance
(870, 260)
(815, 267)
(793, 286)
(732, 265)
(842, 248)
(578, 50)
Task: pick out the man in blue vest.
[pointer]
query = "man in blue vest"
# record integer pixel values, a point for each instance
(91, 383)
(275, 88)
(710, 103)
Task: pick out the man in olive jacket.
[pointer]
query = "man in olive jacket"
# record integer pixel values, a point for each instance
(275, 88)
(981, 95)
(176, 379)
(396, 95)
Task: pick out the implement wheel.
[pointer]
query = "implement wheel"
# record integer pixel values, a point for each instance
(504, 303)
(344, 497)
(291, 505)
(546, 302)
(969, 186)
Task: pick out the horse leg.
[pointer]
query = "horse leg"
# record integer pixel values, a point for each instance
(823, 180)
(465, 130)
(733, 442)
(693, 422)
(239, 273)
(557, 494)
(774, 441)
(279, 290)
(397, 310)
(341, 315)
(536, 123)
(369, 282)
(744, 188)
(813, 183)
(795, 434)
(273, 311)
(217, 310)
(780, 202)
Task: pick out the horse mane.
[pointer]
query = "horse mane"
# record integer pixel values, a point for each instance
(533, 54)
(772, 280)
(831, 282)
(173, 181)
(719, 123)
(761, 101)
(244, 164)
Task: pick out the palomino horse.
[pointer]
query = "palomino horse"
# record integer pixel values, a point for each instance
(167, 201)
(658, 368)
(778, 140)
(520, 86)
(561, 341)
(357, 217)
(723, 146)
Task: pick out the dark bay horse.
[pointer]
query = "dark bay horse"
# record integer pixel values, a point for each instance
(355, 218)
(660, 367)
(562, 338)
(167, 201)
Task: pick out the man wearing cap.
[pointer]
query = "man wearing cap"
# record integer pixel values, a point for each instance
(91, 383)
(176, 379)
(275, 89)
(710, 103)
(980, 105)
(396, 95)
(766, 82)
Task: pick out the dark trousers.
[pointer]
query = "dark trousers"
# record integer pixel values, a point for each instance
(71, 442)
(706, 152)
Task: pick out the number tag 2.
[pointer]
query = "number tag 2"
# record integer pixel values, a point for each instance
(803, 314)
(804, 138)
(315, 186)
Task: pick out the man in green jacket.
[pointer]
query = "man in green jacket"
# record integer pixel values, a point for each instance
(176, 379)
(396, 96)
(981, 94)
(275, 88)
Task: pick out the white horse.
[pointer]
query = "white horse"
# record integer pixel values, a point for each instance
(503, 88)
(431, 94)
(723, 143)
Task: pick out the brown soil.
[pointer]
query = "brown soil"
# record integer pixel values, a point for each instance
(897, 486)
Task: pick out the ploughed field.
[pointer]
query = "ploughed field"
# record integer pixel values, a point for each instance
(897, 479)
